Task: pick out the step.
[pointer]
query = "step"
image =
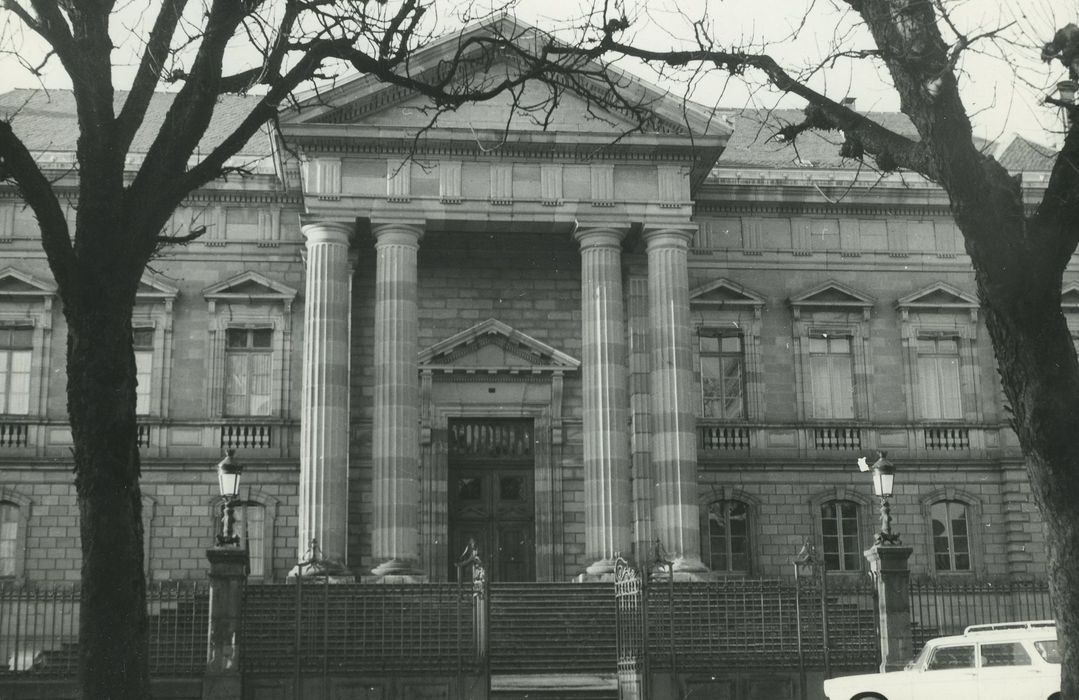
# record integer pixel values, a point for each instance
(552, 686)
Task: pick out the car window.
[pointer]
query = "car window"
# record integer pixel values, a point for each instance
(1049, 649)
(1004, 654)
(952, 657)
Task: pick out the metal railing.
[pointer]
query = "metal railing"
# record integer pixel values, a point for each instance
(319, 627)
(39, 629)
(941, 607)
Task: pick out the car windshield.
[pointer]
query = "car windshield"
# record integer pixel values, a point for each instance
(1049, 649)
(919, 659)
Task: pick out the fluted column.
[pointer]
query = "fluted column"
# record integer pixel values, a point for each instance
(324, 405)
(674, 441)
(396, 450)
(608, 501)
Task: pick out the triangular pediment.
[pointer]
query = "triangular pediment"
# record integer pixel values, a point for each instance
(1069, 297)
(17, 283)
(832, 294)
(249, 286)
(938, 295)
(582, 106)
(725, 293)
(153, 287)
(494, 347)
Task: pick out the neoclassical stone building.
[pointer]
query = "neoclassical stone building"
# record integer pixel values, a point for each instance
(562, 345)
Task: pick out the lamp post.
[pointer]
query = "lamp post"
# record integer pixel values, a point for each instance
(229, 472)
(228, 570)
(891, 573)
(883, 479)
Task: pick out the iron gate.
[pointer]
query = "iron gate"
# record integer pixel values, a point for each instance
(631, 631)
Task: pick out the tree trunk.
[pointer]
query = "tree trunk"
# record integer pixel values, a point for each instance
(101, 404)
(1020, 287)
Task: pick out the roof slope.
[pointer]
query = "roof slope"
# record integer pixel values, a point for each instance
(1022, 155)
(45, 121)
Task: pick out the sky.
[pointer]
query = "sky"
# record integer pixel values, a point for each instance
(1002, 80)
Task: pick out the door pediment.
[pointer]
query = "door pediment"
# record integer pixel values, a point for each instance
(492, 347)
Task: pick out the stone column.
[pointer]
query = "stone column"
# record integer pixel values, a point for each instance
(674, 440)
(323, 535)
(222, 677)
(396, 449)
(891, 574)
(608, 500)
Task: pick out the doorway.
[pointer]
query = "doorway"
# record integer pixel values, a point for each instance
(492, 495)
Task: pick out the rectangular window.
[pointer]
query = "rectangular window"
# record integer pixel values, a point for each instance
(9, 537)
(248, 357)
(831, 376)
(16, 343)
(143, 341)
(951, 536)
(252, 517)
(727, 538)
(842, 544)
(723, 383)
(938, 377)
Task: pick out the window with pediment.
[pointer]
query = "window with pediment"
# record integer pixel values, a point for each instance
(831, 330)
(25, 343)
(151, 337)
(727, 316)
(939, 334)
(251, 345)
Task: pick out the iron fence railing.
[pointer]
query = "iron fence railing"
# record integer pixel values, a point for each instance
(942, 607)
(715, 624)
(39, 628)
(319, 627)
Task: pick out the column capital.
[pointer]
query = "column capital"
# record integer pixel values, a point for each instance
(327, 232)
(600, 235)
(397, 232)
(659, 236)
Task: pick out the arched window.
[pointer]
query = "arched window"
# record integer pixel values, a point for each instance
(842, 542)
(950, 521)
(725, 540)
(9, 539)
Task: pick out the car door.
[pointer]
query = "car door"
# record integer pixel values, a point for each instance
(950, 672)
(1008, 672)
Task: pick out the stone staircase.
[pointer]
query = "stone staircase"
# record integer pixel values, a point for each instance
(552, 641)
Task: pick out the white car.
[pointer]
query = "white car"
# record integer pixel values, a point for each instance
(1007, 661)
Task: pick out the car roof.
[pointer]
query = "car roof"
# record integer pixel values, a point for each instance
(1027, 629)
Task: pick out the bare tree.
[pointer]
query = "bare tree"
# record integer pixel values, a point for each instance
(121, 215)
(1018, 257)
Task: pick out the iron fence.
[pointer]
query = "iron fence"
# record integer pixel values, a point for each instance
(762, 622)
(323, 628)
(941, 607)
(39, 628)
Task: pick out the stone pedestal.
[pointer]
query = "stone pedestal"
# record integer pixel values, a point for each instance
(891, 574)
(396, 448)
(324, 406)
(605, 412)
(221, 680)
(674, 438)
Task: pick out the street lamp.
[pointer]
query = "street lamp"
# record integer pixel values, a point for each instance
(883, 479)
(228, 482)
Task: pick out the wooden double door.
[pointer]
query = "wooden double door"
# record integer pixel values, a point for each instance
(494, 504)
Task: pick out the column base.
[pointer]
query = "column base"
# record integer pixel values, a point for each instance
(398, 567)
(322, 569)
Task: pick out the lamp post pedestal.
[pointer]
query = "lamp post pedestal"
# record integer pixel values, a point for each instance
(228, 566)
(891, 574)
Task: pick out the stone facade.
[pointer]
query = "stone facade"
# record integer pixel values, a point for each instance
(348, 318)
